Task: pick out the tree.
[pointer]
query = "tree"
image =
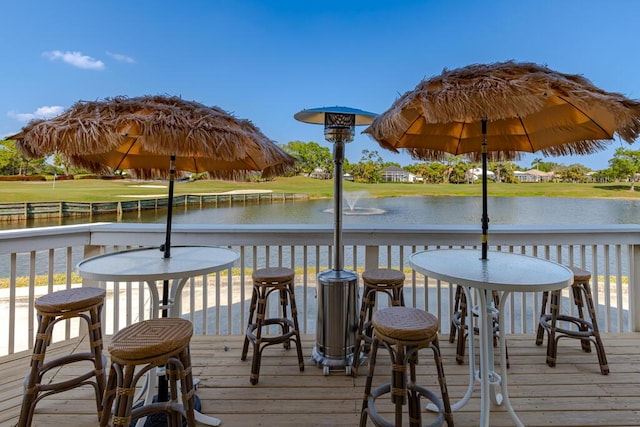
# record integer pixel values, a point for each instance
(12, 162)
(504, 171)
(536, 162)
(575, 173)
(458, 173)
(61, 162)
(369, 169)
(434, 173)
(625, 164)
(548, 166)
(455, 169)
(310, 156)
(10, 158)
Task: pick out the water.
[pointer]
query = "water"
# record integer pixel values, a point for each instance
(418, 210)
(396, 210)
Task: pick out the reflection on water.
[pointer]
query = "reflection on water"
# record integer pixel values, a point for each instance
(397, 210)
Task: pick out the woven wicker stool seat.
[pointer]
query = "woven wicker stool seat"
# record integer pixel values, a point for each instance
(378, 280)
(404, 331)
(266, 281)
(460, 328)
(150, 343)
(82, 303)
(586, 330)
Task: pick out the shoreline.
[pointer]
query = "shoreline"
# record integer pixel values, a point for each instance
(86, 190)
(26, 211)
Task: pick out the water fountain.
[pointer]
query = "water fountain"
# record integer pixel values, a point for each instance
(352, 198)
(352, 208)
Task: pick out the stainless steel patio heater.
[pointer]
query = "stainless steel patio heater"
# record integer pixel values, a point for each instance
(337, 288)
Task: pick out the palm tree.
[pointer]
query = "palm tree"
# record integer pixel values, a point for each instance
(536, 162)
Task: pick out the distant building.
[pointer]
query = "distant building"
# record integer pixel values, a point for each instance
(319, 173)
(476, 173)
(534, 175)
(395, 174)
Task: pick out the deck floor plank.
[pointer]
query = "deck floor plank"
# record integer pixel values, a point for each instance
(571, 394)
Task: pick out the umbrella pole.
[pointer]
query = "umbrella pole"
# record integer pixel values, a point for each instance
(172, 173)
(163, 386)
(485, 215)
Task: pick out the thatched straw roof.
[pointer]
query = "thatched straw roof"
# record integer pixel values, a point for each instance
(528, 108)
(139, 134)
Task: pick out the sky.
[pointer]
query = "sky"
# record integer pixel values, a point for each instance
(265, 60)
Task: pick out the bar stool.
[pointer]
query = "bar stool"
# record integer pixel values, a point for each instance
(584, 330)
(459, 324)
(404, 331)
(266, 281)
(83, 303)
(384, 280)
(150, 343)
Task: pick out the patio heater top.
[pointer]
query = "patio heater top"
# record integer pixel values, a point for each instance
(339, 128)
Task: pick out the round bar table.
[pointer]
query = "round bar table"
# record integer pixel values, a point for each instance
(503, 272)
(150, 266)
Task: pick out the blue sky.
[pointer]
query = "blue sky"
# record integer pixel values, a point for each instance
(266, 60)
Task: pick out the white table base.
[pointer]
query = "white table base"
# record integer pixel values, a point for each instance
(501, 272)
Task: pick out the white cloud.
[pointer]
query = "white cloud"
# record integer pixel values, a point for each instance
(40, 113)
(77, 59)
(122, 58)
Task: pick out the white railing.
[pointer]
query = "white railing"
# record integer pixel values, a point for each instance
(218, 303)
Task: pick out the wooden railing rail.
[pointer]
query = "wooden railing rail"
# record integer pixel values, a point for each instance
(39, 260)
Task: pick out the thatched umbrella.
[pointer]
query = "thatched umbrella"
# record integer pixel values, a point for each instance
(155, 136)
(504, 109)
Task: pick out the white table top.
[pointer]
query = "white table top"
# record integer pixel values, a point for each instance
(149, 264)
(501, 271)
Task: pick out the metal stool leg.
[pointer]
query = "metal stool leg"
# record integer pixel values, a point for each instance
(252, 309)
(602, 357)
(543, 312)
(552, 341)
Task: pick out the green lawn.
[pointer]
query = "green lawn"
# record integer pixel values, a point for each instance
(90, 190)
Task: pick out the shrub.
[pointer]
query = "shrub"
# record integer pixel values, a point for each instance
(22, 178)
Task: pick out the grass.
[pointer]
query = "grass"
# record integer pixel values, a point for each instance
(113, 190)
(40, 280)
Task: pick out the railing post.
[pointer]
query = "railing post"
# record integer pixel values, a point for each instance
(89, 251)
(371, 257)
(634, 291)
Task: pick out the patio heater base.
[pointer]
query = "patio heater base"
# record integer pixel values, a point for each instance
(160, 420)
(337, 320)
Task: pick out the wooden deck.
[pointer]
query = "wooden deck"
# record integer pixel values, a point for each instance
(572, 394)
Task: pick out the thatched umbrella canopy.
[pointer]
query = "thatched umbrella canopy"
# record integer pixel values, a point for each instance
(527, 107)
(500, 110)
(155, 136)
(140, 134)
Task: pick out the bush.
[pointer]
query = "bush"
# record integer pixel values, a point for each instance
(112, 177)
(22, 178)
(64, 177)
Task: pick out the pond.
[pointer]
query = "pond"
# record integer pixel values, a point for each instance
(391, 210)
